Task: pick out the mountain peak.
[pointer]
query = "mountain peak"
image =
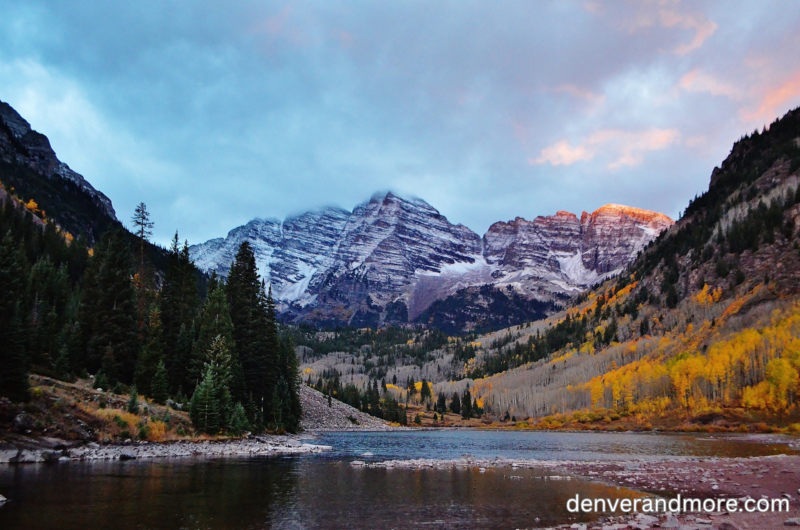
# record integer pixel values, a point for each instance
(631, 211)
(392, 257)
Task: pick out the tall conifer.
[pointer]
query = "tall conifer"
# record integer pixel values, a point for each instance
(113, 308)
(13, 360)
(151, 355)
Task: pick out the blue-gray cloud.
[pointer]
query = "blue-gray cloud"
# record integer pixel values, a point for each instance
(216, 113)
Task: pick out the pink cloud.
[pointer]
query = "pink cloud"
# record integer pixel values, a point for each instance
(698, 81)
(626, 147)
(775, 97)
(667, 14)
(702, 27)
(561, 153)
(580, 93)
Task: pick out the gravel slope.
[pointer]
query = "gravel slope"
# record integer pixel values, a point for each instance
(318, 416)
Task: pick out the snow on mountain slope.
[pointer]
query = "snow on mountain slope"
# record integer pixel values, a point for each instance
(391, 258)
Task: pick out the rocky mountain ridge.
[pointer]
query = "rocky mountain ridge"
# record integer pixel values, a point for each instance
(391, 258)
(22, 145)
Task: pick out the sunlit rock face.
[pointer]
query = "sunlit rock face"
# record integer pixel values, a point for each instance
(560, 253)
(390, 258)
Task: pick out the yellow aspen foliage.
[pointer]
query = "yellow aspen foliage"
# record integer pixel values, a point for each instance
(706, 297)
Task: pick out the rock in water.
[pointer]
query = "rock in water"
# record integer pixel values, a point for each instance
(127, 454)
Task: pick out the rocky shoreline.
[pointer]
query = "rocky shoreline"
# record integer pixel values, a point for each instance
(770, 477)
(54, 450)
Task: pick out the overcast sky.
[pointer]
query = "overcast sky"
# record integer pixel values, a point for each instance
(214, 113)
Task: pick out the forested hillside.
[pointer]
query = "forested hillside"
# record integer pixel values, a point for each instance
(705, 321)
(108, 311)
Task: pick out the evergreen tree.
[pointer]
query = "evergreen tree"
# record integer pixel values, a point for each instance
(143, 230)
(441, 403)
(254, 334)
(13, 360)
(290, 373)
(466, 405)
(110, 307)
(133, 401)
(239, 423)
(215, 322)
(455, 404)
(411, 386)
(220, 362)
(159, 387)
(179, 304)
(425, 392)
(204, 408)
(101, 382)
(151, 355)
(179, 362)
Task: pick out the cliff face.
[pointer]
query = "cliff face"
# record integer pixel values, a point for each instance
(390, 258)
(29, 167)
(561, 253)
(22, 145)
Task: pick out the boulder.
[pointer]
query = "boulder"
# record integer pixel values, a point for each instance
(794, 521)
(24, 423)
(727, 525)
(127, 454)
(27, 457)
(7, 455)
(3, 500)
(671, 522)
(51, 456)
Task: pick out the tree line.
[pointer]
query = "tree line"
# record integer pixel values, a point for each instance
(67, 311)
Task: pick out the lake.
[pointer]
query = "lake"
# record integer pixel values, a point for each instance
(325, 491)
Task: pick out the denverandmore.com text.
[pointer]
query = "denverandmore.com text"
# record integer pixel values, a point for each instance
(675, 505)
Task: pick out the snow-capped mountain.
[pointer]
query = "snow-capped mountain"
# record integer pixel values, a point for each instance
(390, 258)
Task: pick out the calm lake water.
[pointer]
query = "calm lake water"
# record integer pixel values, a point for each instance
(324, 491)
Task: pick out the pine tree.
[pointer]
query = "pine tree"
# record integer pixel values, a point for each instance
(143, 228)
(111, 308)
(133, 401)
(151, 355)
(179, 361)
(204, 408)
(220, 362)
(13, 360)
(441, 403)
(215, 322)
(256, 341)
(159, 387)
(179, 305)
(291, 375)
(239, 423)
(466, 405)
(425, 392)
(455, 404)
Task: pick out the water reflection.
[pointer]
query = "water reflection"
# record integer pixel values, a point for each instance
(327, 492)
(449, 444)
(280, 493)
